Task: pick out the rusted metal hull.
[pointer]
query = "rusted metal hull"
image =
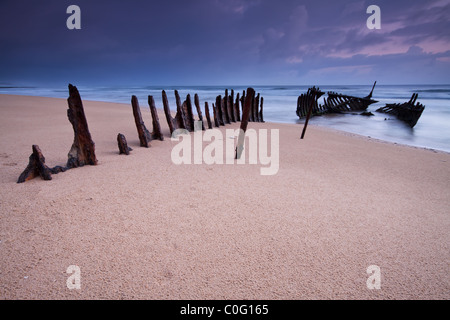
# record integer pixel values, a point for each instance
(339, 103)
(334, 103)
(409, 112)
(305, 100)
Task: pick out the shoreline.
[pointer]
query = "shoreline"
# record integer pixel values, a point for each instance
(369, 138)
(142, 227)
(321, 127)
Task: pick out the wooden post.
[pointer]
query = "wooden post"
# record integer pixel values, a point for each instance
(245, 117)
(256, 109)
(236, 108)
(219, 110)
(242, 103)
(312, 95)
(231, 106)
(225, 107)
(180, 117)
(208, 116)
(170, 121)
(189, 114)
(83, 148)
(199, 111)
(123, 145)
(156, 133)
(36, 167)
(261, 117)
(143, 133)
(252, 110)
(216, 119)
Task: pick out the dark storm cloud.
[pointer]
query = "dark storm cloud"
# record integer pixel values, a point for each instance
(224, 42)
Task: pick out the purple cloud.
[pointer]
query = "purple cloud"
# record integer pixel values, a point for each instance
(225, 41)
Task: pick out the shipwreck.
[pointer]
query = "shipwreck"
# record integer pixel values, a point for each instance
(334, 103)
(408, 112)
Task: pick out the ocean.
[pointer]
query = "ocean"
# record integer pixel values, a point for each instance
(432, 131)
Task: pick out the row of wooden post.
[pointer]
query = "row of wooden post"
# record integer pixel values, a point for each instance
(225, 111)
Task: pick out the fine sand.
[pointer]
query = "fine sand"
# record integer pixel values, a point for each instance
(141, 227)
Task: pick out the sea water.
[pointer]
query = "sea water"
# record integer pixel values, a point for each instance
(280, 102)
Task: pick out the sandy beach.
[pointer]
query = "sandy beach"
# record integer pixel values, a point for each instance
(142, 227)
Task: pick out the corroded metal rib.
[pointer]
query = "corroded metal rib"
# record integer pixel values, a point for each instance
(313, 95)
(334, 103)
(337, 103)
(408, 112)
(304, 103)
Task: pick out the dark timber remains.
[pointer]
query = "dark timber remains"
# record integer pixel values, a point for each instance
(408, 112)
(144, 135)
(308, 106)
(83, 148)
(310, 98)
(156, 133)
(226, 110)
(36, 167)
(123, 145)
(248, 106)
(334, 103)
(339, 103)
(81, 153)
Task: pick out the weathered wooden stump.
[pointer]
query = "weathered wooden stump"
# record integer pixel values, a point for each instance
(143, 133)
(216, 116)
(188, 122)
(170, 120)
(256, 109)
(199, 111)
(231, 106)
(251, 117)
(208, 116)
(123, 145)
(225, 110)
(261, 116)
(220, 115)
(156, 133)
(180, 117)
(236, 108)
(36, 167)
(83, 148)
(187, 109)
(242, 103)
(244, 123)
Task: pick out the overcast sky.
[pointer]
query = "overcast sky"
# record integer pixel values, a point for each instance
(224, 42)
